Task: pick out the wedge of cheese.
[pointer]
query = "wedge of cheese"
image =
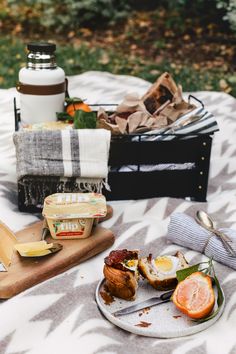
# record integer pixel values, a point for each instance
(34, 249)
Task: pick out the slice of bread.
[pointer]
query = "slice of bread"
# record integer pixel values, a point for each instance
(160, 282)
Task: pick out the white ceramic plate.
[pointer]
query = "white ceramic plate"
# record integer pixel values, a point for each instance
(161, 321)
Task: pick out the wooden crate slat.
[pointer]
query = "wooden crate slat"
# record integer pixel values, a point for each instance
(139, 185)
(154, 152)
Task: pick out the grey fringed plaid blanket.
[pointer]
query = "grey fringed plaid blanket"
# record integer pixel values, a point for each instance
(78, 158)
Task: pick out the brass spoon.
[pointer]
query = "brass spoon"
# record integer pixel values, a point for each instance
(205, 221)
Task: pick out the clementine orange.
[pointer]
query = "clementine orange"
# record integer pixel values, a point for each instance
(195, 296)
(75, 106)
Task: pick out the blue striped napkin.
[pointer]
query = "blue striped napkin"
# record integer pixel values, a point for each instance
(185, 231)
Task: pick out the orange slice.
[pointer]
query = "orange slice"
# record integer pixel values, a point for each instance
(194, 296)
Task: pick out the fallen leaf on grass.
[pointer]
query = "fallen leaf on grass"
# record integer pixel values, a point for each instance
(104, 60)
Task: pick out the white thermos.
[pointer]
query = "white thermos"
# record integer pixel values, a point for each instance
(42, 85)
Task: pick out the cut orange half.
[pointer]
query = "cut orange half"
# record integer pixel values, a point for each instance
(195, 296)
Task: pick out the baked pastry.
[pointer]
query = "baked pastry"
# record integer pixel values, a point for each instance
(161, 271)
(161, 91)
(121, 273)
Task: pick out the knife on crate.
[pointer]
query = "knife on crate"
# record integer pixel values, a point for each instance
(153, 301)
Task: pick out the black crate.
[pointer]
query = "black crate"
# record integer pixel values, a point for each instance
(138, 185)
(190, 183)
(135, 150)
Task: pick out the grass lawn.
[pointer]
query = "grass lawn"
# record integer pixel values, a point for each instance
(197, 59)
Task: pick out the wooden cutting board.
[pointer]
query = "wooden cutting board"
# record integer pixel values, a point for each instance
(26, 272)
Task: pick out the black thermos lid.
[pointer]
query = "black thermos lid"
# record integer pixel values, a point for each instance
(41, 47)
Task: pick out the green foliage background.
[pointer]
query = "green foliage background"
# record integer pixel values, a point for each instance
(67, 22)
(63, 15)
(71, 14)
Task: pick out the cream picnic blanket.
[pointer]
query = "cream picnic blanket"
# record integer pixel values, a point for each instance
(60, 315)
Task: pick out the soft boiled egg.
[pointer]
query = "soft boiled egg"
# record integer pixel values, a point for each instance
(130, 264)
(166, 266)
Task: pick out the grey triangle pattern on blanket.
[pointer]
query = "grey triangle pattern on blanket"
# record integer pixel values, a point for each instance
(61, 314)
(73, 295)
